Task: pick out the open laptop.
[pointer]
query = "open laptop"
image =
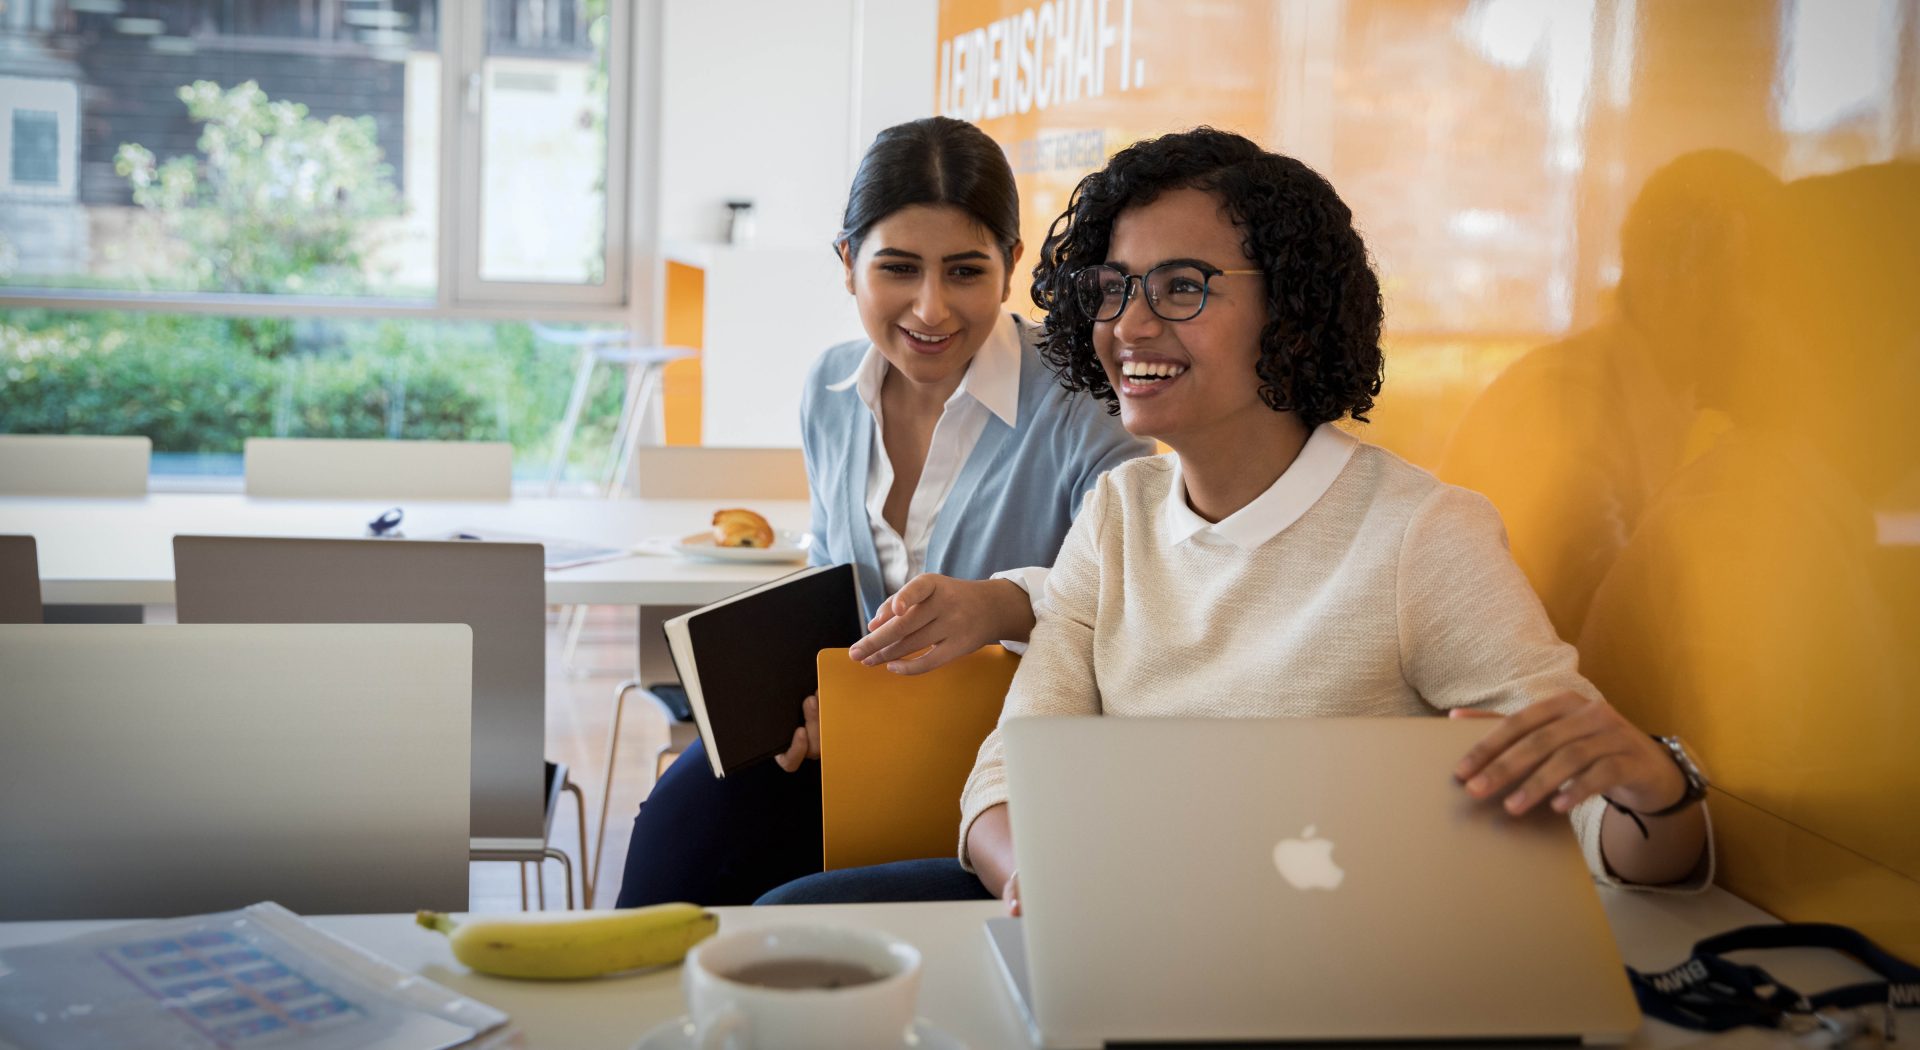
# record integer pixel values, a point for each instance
(1292, 881)
(150, 771)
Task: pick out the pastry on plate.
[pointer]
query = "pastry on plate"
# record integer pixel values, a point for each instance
(741, 528)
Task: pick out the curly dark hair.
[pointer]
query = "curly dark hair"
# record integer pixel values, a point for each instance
(1320, 349)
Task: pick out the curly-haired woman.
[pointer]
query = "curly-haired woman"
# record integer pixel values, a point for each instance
(1219, 296)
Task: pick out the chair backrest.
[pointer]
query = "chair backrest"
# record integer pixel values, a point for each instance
(167, 770)
(896, 750)
(73, 465)
(498, 589)
(19, 580)
(324, 468)
(699, 472)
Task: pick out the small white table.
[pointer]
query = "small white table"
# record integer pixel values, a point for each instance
(962, 991)
(120, 551)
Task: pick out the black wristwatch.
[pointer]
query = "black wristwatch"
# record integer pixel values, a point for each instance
(1697, 782)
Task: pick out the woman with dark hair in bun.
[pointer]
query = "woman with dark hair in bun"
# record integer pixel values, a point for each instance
(943, 463)
(1273, 565)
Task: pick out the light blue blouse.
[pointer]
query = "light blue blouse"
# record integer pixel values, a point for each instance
(1016, 494)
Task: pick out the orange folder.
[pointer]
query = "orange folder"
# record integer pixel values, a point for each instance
(895, 750)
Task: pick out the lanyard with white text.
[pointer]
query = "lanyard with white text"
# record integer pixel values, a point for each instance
(1710, 993)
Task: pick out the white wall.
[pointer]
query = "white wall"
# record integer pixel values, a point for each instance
(774, 101)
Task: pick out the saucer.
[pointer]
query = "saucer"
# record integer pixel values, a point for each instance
(678, 1034)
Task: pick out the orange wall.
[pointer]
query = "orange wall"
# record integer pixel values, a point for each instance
(1653, 287)
(684, 324)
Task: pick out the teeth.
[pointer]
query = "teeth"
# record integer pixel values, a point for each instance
(919, 338)
(1150, 369)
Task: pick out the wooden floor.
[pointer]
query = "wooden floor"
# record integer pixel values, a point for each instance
(579, 716)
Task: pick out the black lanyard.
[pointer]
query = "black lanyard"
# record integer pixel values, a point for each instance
(1713, 994)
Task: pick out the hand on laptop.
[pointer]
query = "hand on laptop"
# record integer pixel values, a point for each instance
(936, 619)
(1011, 894)
(806, 739)
(1565, 750)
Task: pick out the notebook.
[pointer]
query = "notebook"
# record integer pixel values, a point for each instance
(748, 661)
(902, 746)
(1297, 881)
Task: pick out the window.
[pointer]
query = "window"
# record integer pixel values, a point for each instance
(300, 198)
(36, 147)
(450, 154)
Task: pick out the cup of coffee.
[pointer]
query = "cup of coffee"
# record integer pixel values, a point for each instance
(804, 987)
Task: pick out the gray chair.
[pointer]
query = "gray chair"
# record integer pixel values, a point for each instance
(330, 468)
(498, 589)
(87, 466)
(166, 770)
(73, 465)
(19, 580)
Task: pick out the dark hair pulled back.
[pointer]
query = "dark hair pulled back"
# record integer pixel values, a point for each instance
(934, 160)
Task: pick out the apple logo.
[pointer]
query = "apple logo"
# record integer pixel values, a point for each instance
(1307, 862)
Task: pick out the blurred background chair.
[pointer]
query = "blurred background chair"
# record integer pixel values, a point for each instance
(19, 580)
(641, 368)
(326, 468)
(73, 465)
(896, 751)
(498, 589)
(84, 465)
(164, 770)
(733, 475)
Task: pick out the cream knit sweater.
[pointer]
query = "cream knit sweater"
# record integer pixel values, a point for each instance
(1393, 594)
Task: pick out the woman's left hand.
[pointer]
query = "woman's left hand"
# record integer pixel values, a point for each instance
(1567, 749)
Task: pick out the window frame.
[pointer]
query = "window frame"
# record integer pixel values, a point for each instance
(460, 293)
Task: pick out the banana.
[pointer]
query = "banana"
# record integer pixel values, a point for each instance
(587, 944)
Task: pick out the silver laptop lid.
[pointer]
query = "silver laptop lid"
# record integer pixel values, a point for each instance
(1295, 879)
(498, 589)
(150, 771)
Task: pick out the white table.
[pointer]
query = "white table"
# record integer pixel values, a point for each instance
(120, 551)
(962, 991)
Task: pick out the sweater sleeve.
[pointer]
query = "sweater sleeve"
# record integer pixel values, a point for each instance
(1056, 677)
(1473, 634)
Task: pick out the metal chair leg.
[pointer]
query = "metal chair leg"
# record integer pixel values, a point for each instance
(576, 402)
(575, 621)
(586, 855)
(523, 885)
(566, 869)
(613, 755)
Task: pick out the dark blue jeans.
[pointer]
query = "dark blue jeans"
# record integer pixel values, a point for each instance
(710, 841)
(938, 879)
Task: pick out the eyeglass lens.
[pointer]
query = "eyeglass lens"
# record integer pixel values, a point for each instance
(1175, 291)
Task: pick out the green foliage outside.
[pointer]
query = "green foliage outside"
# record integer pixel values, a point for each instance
(279, 202)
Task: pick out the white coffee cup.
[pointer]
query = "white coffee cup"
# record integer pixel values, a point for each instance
(730, 1013)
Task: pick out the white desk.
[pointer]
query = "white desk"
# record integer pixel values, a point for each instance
(962, 991)
(120, 551)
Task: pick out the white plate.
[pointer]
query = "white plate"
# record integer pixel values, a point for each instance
(788, 546)
(679, 1034)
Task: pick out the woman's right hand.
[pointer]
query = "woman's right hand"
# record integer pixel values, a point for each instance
(947, 618)
(1011, 894)
(806, 739)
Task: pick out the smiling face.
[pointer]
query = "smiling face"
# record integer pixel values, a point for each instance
(929, 282)
(1180, 381)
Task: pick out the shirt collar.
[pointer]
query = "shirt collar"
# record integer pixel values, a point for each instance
(993, 376)
(1284, 502)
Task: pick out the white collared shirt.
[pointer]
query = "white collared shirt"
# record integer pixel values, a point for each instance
(1291, 495)
(991, 387)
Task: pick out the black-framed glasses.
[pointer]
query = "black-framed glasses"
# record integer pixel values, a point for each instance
(1176, 291)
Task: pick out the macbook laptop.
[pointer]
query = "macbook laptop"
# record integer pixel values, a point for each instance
(1292, 881)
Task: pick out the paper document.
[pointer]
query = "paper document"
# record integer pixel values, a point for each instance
(255, 978)
(558, 553)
